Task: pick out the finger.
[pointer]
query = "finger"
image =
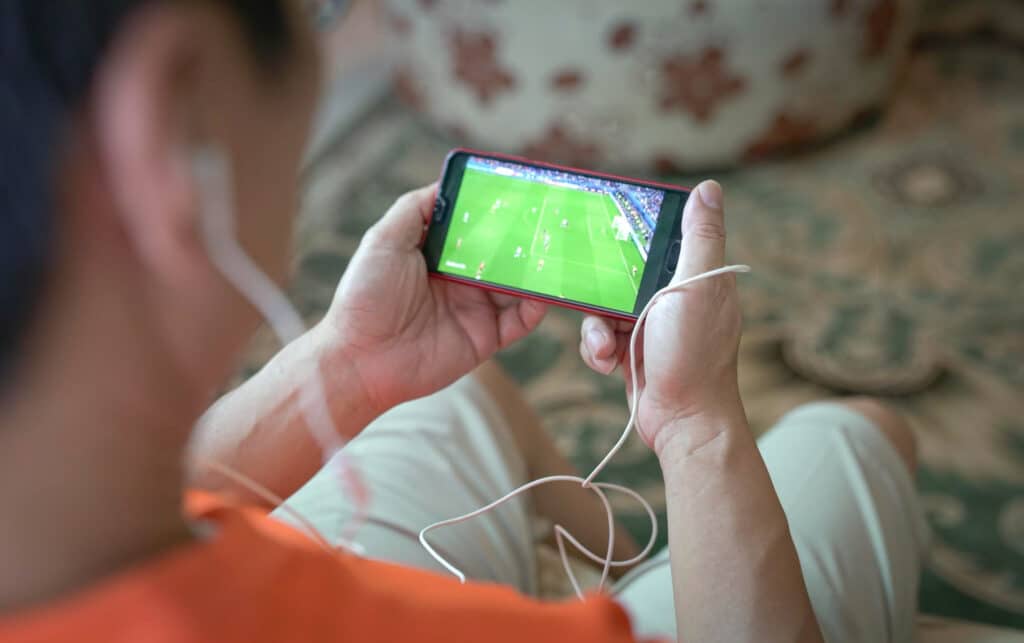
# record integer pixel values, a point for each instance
(602, 366)
(501, 300)
(703, 245)
(599, 336)
(517, 322)
(402, 225)
(622, 345)
(598, 344)
(531, 312)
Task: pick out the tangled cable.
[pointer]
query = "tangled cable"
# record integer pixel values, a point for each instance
(561, 534)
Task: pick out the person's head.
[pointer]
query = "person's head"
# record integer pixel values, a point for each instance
(103, 104)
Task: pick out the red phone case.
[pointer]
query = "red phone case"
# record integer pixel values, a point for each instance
(534, 296)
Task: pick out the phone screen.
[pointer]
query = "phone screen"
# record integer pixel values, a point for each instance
(570, 236)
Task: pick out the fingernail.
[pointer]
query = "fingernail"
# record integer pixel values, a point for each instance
(595, 340)
(711, 194)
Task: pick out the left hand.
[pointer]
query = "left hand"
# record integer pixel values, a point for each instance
(403, 334)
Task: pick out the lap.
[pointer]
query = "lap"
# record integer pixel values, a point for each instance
(427, 460)
(850, 503)
(854, 517)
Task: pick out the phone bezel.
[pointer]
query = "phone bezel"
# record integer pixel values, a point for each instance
(436, 232)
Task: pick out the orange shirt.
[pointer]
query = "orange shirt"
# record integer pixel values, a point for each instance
(257, 580)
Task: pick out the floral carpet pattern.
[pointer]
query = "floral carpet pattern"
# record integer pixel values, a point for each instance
(890, 260)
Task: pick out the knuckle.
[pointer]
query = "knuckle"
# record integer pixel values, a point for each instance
(708, 230)
(594, 323)
(415, 197)
(374, 232)
(710, 290)
(406, 200)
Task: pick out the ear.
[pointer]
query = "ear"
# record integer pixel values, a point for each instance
(144, 120)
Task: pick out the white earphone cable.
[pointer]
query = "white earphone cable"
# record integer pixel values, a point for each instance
(269, 497)
(561, 534)
(218, 228)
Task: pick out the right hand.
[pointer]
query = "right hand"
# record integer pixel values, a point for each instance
(687, 350)
(403, 335)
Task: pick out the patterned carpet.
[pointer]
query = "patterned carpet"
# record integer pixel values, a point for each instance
(891, 259)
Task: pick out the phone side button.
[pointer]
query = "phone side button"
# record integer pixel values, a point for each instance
(672, 257)
(440, 205)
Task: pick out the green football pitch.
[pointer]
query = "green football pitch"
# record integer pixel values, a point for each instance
(514, 227)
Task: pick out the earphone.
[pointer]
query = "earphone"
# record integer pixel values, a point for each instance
(211, 169)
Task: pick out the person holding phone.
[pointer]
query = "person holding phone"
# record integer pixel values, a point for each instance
(117, 330)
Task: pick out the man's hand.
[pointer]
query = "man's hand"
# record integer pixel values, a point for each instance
(404, 335)
(687, 350)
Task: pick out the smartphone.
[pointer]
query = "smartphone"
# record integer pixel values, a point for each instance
(594, 242)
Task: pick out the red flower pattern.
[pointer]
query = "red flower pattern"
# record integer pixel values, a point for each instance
(878, 27)
(665, 164)
(622, 36)
(477, 66)
(407, 89)
(399, 23)
(567, 79)
(697, 84)
(785, 133)
(457, 132)
(794, 62)
(558, 145)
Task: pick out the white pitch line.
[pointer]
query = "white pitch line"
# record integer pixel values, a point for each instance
(625, 264)
(540, 218)
(590, 233)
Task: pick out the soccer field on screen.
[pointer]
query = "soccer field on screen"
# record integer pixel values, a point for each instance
(549, 239)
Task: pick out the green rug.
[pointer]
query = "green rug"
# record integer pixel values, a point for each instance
(891, 258)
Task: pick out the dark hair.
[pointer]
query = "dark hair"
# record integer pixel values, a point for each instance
(49, 51)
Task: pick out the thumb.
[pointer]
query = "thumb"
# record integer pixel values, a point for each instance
(703, 244)
(402, 225)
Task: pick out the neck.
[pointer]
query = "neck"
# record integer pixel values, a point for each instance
(92, 436)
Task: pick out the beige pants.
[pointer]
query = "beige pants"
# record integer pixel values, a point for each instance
(854, 517)
(850, 502)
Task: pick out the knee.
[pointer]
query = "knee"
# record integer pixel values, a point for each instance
(892, 424)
